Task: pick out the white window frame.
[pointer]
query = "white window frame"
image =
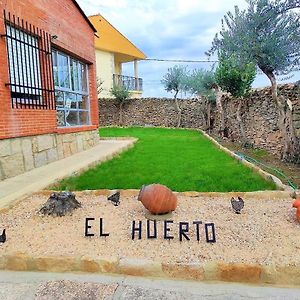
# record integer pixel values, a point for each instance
(67, 108)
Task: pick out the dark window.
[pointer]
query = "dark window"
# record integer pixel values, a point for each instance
(30, 65)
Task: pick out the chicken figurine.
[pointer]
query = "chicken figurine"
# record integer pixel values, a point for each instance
(237, 205)
(3, 237)
(115, 198)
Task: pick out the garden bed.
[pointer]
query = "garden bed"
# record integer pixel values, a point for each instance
(184, 160)
(265, 233)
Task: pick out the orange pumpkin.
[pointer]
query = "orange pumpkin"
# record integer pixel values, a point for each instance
(158, 199)
(296, 204)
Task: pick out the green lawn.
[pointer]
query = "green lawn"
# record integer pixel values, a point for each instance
(183, 160)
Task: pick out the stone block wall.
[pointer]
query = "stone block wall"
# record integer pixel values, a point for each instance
(18, 155)
(151, 111)
(259, 115)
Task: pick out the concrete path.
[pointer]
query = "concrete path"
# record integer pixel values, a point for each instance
(18, 187)
(55, 286)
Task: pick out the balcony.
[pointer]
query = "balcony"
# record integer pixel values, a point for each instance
(131, 83)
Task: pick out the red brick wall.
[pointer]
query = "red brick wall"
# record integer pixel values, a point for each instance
(75, 36)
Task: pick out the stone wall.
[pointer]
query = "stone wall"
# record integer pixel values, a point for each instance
(259, 115)
(151, 111)
(18, 155)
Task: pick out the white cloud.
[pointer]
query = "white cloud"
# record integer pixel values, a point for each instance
(170, 29)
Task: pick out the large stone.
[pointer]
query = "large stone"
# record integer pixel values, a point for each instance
(79, 143)
(12, 165)
(73, 147)
(27, 154)
(183, 271)
(5, 147)
(16, 146)
(239, 273)
(67, 150)
(52, 155)
(68, 137)
(140, 267)
(40, 159)
(45, 142)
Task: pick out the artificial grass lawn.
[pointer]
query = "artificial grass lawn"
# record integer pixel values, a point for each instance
(183, 160)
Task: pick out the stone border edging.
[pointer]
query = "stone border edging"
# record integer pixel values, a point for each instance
(259, 195)
(263, 173)
(208, 271)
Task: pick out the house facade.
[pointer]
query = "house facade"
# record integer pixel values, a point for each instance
(113, 50)
(48, 92)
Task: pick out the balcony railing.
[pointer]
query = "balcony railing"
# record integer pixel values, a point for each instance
(131, 83)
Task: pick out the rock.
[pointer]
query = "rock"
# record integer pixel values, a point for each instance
(60, 204)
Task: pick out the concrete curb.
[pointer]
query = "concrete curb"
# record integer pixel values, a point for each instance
(208, 271)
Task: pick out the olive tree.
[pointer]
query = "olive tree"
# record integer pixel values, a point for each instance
(268, 34)
(174, 81)
(201, 83)
(122, 94)
(236, 79)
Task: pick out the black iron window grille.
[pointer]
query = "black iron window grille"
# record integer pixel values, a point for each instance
(30, 64)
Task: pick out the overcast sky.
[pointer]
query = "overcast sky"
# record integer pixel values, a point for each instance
(167, 29)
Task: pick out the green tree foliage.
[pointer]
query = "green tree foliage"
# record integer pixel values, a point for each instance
(202, 83)
(267, 33)
(175, 81)
(235, 78)
(122, 94)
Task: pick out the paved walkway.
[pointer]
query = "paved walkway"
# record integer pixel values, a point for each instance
(55, 286)
(18, 187)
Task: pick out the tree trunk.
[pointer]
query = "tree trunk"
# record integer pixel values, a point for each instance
(178, 109)
(220, 112)
(291, 147)
(121, 113)
(208, 115)
(241, 124)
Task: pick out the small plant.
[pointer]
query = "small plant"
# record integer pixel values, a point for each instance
(99, 86)
(202, 84)
(174, 81)
(122, 94)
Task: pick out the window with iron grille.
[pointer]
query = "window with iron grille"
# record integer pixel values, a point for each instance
(71, 90)
(30, 64)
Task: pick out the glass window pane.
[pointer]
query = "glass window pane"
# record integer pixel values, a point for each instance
(70, 99)
(83, 102)
(72, 118)
(73, 82)
(83, 117)
(60, 118)
(84, 77)
(59, 99)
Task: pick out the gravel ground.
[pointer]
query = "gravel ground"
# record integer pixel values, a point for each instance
(72, 290)
(265, 232)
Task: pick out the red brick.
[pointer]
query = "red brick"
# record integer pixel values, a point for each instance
(75, 36)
